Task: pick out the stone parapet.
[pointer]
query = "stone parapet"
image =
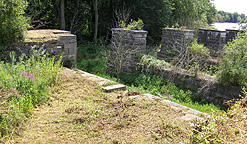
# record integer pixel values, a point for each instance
(133, 42)
(55, 42)
(214, 40)
(174, 38)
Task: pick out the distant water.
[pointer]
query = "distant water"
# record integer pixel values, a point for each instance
(226, 25)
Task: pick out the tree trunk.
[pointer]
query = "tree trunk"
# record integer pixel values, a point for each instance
(62, 17)
(96, 20)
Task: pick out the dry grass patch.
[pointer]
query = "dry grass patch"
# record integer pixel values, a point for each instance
(80, 112)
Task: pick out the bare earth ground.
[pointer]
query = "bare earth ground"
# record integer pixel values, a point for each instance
(80, 112)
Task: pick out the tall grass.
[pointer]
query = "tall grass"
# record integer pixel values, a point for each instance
(23, 85)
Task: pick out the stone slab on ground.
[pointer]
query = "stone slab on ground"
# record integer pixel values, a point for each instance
(100, 81)
(115, 87)
(190, 114)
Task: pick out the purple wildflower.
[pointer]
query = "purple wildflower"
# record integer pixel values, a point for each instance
(23, 74)
(30, 76)
(167, 91)
(38, 71)
(168, 96)
(34, 79)
(171, 97)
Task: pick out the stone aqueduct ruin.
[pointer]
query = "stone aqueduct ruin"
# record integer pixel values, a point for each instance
(205, 86)
(58, 42)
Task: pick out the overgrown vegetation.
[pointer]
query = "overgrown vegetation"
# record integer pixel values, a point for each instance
(233, 65)
(133, 25)
(12, 21)
(24, 84)
(80, 111)
(228, 127)
(143, 82)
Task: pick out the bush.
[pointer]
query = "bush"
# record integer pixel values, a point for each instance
(12, 21)
(133, 25)
(233, 66)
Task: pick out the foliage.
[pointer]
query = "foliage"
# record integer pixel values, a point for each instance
(146, 83)
(96, 65)
(199, 49)
(79, 15)
(224, 127)
(156, 85)
(149, 62)
(186, 12)
(155, 14)
(232, 69)
(187, 55)
(90, 57)
(12, 21)
(223, 16)
(135, 25)
(120, 55)
(41, 14)
(23, 85)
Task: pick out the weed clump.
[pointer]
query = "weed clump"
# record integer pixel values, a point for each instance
(23, 85)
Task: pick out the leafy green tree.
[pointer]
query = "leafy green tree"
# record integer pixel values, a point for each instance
(12, 21)
(189, 12)
(233, 66)
(42, 14)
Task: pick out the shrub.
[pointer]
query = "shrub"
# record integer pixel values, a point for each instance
(133, 25)
(233, 65)
(12, 21)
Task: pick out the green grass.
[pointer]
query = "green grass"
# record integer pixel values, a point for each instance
(24, 84)
(94, 62)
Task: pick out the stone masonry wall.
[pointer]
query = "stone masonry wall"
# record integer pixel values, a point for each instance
(174, 38)
(56, 42)
(130, 40)
(204, 86)
(214, 40)
(230, 34)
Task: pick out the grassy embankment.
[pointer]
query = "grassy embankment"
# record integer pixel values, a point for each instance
(79, 111)
(90, 59)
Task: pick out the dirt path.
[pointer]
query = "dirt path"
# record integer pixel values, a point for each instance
(79, 112)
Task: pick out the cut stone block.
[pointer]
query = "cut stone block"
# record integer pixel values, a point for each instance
(190, 117)
(115, 87)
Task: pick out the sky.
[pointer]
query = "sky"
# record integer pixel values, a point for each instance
(239, 6)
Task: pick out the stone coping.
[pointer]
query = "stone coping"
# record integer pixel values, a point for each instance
(45, 35)
(178, 29)
(132, 31)
(213, 30)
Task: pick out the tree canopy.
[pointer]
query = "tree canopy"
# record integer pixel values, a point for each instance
(90, 19)
(235, 17)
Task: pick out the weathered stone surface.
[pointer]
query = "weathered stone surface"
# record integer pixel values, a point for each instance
(190, 117)
(174, 38)
(212, 39)
(114, 87)
(130, 40)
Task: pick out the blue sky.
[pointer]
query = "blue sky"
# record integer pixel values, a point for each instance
(239, 6)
